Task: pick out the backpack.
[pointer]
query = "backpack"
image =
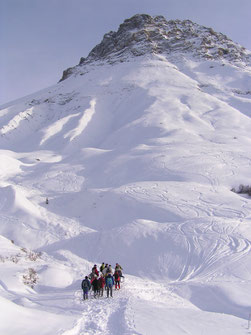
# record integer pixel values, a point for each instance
(109, 281)
(85, 284)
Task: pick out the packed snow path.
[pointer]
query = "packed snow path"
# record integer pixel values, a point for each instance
(143, 308)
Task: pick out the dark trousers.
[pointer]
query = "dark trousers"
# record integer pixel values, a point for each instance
(101, 291)
(95, 291)
(109, 290)
(85, 294)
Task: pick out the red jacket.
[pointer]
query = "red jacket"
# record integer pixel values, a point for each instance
(116, 276)
(102, 282)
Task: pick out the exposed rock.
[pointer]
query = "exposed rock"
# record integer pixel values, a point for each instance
(144, 34)
(67, 73)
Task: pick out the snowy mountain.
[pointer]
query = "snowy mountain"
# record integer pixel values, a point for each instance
(138, 149)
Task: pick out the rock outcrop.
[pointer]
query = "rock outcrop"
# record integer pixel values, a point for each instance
(144, 34)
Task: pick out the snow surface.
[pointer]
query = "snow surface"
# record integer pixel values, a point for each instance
(137, 161)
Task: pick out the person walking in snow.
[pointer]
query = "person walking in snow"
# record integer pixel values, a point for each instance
(109, 282)
(86, 286)
(117, 280)
(119, 269)
(95, 270)
(109, 269)
(101, 285)
(95, 286)
(102, 267)
(105, 270)
(91, 277)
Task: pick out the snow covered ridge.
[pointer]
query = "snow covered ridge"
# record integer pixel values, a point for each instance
(144, 34)
(139, 160)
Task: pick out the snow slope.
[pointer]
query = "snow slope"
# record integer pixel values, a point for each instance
(137, 160)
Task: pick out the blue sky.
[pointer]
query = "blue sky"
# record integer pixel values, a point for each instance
(41, 38)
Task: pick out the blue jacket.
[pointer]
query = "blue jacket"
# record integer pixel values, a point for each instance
(106, 280)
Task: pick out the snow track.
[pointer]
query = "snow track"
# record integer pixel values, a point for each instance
(214, 250)
(142, 307)
(115, 316)
(102, 316)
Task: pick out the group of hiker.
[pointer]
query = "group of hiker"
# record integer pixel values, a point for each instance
(102, 279)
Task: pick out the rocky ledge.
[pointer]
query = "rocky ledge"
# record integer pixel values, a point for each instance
(144, 34)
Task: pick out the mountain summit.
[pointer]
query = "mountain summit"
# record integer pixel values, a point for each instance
(144, 35)
(133, 159)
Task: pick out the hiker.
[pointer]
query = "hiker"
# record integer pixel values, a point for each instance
(117, 280)
(95, 286)
(109, 282)
(105, 270)
(95, 270)
(101, 285)
(91, 277)
(109, 269)
(102, 267)
(86, 286)
(119, 269)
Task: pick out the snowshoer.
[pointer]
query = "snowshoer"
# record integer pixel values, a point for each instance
(95, 285)
(119, 269)
(101, 285)
(95, 270)
(117, 280)
(109, 269)
(109, 282)
(105, 270)
(92, 276)
(102, 267)
(86, 286)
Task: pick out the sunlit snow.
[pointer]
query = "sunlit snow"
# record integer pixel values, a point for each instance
(137, 161)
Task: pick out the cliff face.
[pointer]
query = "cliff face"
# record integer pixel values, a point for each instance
(145, 35)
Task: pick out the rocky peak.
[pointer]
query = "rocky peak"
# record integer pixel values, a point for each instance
(133, 37)
(143, 34)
